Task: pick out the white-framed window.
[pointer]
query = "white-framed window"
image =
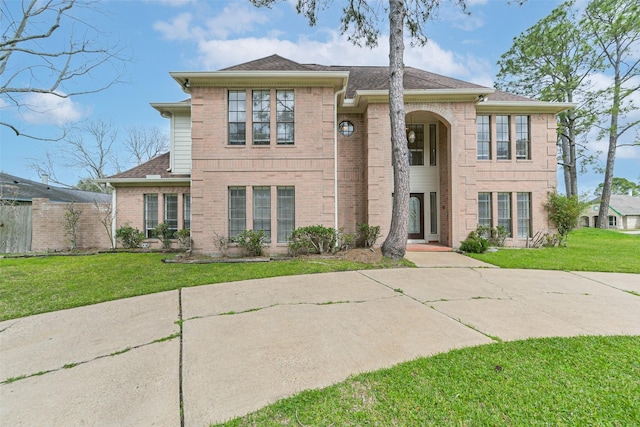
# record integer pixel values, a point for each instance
(485, 217)
(503, 139)
(237, 117)
(524, 214)
(171, 212)
(261, 117)
(186, 211)
(150, 214)
(286, 200)
(262, 211)
(433, 144)
(613, 221)
(484, 137)
(237, 211)
(285, 100)
(523, 142)
(416, 148)
(504, 211)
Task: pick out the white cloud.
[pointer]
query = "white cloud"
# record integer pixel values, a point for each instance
(48, 109)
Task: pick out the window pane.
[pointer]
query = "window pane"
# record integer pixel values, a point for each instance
(484, 138)
(171, 212)
(432, 145)
(150, 214)
(433, 212)
(286, 212)
(285, 116)
(504, 211)
(237, 117)
(237, 211)
(522, 137)
(262, 210)
(524, 214)
(416, 148)
(186, 211)
(503, 143)
(261, 113)
(484, 210)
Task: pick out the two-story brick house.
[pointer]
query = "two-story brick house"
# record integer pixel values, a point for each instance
(273, 144)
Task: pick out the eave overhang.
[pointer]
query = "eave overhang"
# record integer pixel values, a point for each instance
(167, 109)
(144, 181)
(366, 97)
(523, 107)
(253, 79)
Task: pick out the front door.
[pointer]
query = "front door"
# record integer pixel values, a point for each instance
(416, 216)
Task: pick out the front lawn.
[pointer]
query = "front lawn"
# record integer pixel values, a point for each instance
(41, 284)
(590, 249)
(579, 381)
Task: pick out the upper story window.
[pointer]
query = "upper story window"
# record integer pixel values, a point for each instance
(237, 117)
(285, 100)
(415, 142)
(484, 137)
(261, 117)
(503, 140)
(432, 146)
(522, 138)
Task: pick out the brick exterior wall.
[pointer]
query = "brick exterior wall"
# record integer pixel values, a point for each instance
(48, 231)
(130, 206)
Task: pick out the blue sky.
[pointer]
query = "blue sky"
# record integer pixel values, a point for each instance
(188, 35)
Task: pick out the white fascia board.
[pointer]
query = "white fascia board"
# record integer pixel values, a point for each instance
(144, 180)
(440, 95)
(530, 106)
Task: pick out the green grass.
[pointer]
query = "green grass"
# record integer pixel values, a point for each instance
(42, 284)
(558, 381)
(590, 249)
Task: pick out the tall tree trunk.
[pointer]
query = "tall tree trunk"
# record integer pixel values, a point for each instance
(395, 245)
(603, 220)
(566, 163)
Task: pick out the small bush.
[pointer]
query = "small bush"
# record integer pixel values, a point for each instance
(314, 238)
(344, 241)
(165, 234)
(184, 238)
(251, 242)
(474, 243)
(370, 233)
(496, 236)
(129, 237)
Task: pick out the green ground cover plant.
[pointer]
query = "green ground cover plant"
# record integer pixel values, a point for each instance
(550, 381)
(590, 249)
(41, 284)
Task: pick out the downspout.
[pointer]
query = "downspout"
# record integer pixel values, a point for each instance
(335, 155)
(113, 216)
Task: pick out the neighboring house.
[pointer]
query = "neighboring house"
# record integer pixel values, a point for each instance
(623, 214)
(32, 216)
(275, 145)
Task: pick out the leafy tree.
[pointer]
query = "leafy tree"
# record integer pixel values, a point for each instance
(37, 57)
(564, 212)
(360, 20)
(552, 61)
(620, 186)
(614, 28)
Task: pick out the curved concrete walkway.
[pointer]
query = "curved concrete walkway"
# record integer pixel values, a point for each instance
(224, 350)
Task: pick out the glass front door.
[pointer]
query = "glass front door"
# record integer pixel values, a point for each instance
(416, 216)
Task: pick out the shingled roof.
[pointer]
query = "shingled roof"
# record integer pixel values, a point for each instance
(365, 77)
(624, 205)
(25, 190)
(158, 166)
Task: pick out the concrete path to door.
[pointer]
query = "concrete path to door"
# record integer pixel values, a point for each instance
(223, 350)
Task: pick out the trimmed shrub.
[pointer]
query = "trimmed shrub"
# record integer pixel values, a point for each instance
(163, 233)
(474, 243)
(370, 233)
(251, 242)
(314, 238)
(129, 237)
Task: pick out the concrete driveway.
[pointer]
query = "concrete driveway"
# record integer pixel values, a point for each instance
(224, 350)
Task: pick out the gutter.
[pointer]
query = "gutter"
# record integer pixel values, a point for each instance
(335, 153)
